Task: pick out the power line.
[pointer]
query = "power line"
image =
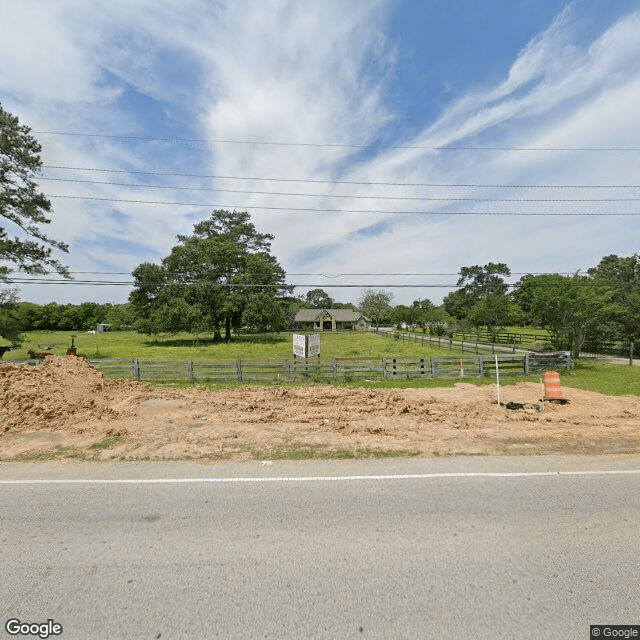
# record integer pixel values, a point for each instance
(215, 284)
(331, 144)
(368, 273)
(348, 196)
(326, 210)
(354, 182)
(281, 286)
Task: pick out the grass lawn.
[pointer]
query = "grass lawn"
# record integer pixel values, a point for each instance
(610, 379)
(128, 344)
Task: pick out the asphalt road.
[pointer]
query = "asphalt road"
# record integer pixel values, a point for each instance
(531, 548)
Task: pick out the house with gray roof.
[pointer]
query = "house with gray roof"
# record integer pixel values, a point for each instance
(331, 320)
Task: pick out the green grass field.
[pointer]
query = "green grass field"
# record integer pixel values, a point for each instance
(128, 344)
(589, 375)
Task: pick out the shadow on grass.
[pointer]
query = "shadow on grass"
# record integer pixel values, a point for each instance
(249, 338)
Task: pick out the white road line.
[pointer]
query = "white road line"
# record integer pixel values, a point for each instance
(418, 476)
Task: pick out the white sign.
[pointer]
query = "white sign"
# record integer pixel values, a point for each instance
(313, 345)
(306, 346)
(299, 345)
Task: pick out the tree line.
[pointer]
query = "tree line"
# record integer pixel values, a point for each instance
(28, 316)
(589, 311)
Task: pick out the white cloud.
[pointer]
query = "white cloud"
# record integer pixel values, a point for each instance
(311, 72)
(585, 98)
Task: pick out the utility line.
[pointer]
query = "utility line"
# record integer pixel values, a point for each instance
(331, 144)
(338, 275)
(349, 196)
(280, 286)
(384, 184)
(325, 210)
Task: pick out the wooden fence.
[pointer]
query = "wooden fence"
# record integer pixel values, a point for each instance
(444, 342)
(373, 368)
(501, 337)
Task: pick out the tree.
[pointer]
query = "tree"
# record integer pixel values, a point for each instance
(573, 308)
(344, 305)
(402, 314)
(9, 320)
(492, 311)
(210, 277)
(457, 304)
(478, 282)
(482, 298)
(376, 305)
(24, 209)
(263, 312)
(319, 299)
(409, 315)
(438, 321)
(119, 316)
(622, 275)
(22, 205)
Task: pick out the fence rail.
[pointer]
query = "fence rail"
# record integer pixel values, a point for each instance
(462, 345)
(501, 337)
(289, 370)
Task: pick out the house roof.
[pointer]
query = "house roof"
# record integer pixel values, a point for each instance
(339, 315)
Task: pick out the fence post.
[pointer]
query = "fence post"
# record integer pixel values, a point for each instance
(136, 368)
(434, 367)
(238, 370)
(450, 343)
(481, 366)
(334, 363)
(526, 364)
(384, 367)
(190, 370)
(394, 367)
(422, 367)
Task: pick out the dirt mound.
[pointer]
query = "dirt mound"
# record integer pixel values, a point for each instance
(62, 392)
(66, 408)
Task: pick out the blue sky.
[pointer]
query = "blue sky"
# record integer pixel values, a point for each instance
(332, 123)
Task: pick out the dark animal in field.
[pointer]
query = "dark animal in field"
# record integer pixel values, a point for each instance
(38, 355)
(4, 350)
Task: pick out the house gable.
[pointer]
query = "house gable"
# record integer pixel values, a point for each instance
(339, 319)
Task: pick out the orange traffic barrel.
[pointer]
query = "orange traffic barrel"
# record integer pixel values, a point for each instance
(552, 385)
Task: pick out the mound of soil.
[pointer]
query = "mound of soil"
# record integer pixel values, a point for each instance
(66, 403)
(63, 393)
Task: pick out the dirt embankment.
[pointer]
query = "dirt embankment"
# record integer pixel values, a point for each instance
(67, 406)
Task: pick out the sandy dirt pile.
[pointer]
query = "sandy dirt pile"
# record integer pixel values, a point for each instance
(67, 403)
(63, 394)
